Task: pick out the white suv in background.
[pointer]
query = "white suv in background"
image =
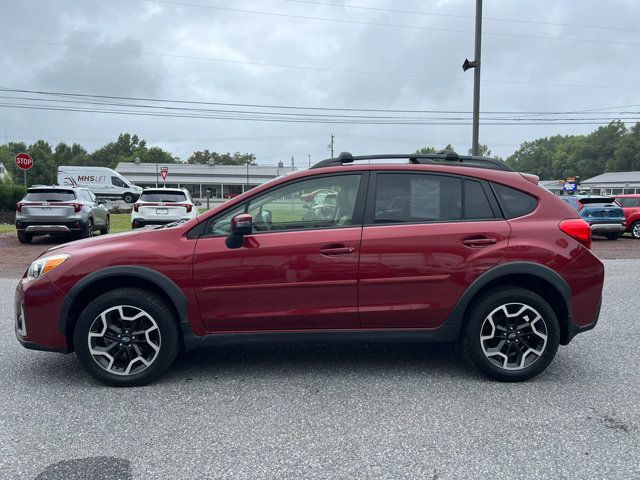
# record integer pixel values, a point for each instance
(158, 206)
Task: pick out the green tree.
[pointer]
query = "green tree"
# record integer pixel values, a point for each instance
(237, 158)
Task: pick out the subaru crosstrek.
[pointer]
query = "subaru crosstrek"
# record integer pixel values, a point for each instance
(444, 248)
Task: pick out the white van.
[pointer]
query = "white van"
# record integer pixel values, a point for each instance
(102, 181)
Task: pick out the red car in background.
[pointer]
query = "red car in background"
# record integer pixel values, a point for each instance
(631, 206)
(444, 248)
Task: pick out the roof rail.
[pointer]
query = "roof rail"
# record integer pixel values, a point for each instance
(442, 157)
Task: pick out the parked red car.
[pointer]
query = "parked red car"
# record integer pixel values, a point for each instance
(445, 248)
(631, 206)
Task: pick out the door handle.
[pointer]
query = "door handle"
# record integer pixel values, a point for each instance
(479, 242)
(336, 250)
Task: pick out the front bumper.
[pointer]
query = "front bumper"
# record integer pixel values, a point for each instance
(37, 304)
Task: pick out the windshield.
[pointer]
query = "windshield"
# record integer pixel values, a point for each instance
(52, 195)
(164, 197)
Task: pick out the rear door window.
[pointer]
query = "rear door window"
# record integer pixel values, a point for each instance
(417, 198)
(52, 195)
(476, 203)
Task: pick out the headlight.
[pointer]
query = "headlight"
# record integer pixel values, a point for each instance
(45, 264)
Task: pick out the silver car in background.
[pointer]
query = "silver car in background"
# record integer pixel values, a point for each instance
(159, 206)
(60, 210)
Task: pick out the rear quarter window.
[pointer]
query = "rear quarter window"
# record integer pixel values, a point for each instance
(514, 203)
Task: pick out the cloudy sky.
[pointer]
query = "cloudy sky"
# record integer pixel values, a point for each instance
(539, 57)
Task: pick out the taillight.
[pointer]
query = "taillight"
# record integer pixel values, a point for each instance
(77, 207)
(578, 229)
(580, 206)
(135, 207)
(18, 207)
(189, 207)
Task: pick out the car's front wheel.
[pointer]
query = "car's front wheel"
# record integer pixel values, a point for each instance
(126, 337)
(635, 230)
(511, 334)
(129, 198)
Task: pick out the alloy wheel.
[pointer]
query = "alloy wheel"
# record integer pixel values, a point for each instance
(513, 336)
(124, 340)
(636, 230)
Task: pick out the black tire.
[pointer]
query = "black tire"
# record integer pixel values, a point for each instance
(87, 229)
(133, 298)
(474, 348)
(129, 197)
(24, 237)
(107, 226)
(613, 236)
(635, 230)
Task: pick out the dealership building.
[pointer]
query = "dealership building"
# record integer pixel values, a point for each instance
(221, 180)
(613, 183)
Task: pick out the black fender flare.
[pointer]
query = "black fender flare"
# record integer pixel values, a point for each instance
(456, 317)
(164, 283)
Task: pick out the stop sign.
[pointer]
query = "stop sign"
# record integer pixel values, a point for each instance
(24, 161)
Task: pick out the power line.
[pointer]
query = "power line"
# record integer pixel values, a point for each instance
(336, 120)
(390, 25)
(107, 100)
(449, 15)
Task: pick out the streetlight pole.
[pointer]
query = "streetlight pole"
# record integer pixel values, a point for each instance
(475, 64)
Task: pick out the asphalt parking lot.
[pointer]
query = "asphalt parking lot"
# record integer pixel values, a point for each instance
(331, 410)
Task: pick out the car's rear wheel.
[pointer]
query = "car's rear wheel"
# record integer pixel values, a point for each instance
(24, 237)
(107, 226)
(613, 236)
(635, 230)
(126, 337)
(512, 334)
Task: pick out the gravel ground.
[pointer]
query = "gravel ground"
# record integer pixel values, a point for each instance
(331, 411)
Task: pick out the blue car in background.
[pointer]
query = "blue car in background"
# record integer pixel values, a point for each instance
(603, 214)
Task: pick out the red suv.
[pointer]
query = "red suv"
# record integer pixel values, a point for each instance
(444, 248)
(631, 206)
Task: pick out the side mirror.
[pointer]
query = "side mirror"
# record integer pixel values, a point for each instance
(198, 203)
(241, 225)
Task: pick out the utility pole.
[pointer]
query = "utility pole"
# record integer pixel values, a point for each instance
(156, 173)
(293, 164)
(475, 64)
(309, 160)
(331, 144)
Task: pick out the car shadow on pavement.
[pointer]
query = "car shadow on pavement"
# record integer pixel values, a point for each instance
(327, 358)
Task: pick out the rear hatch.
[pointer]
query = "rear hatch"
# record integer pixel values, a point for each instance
(601, 210)
(159, 206)
(49, 205)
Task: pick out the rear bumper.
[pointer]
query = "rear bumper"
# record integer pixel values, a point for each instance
(604, 228)
(139, 223)
(49, 227)
(574, 329)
